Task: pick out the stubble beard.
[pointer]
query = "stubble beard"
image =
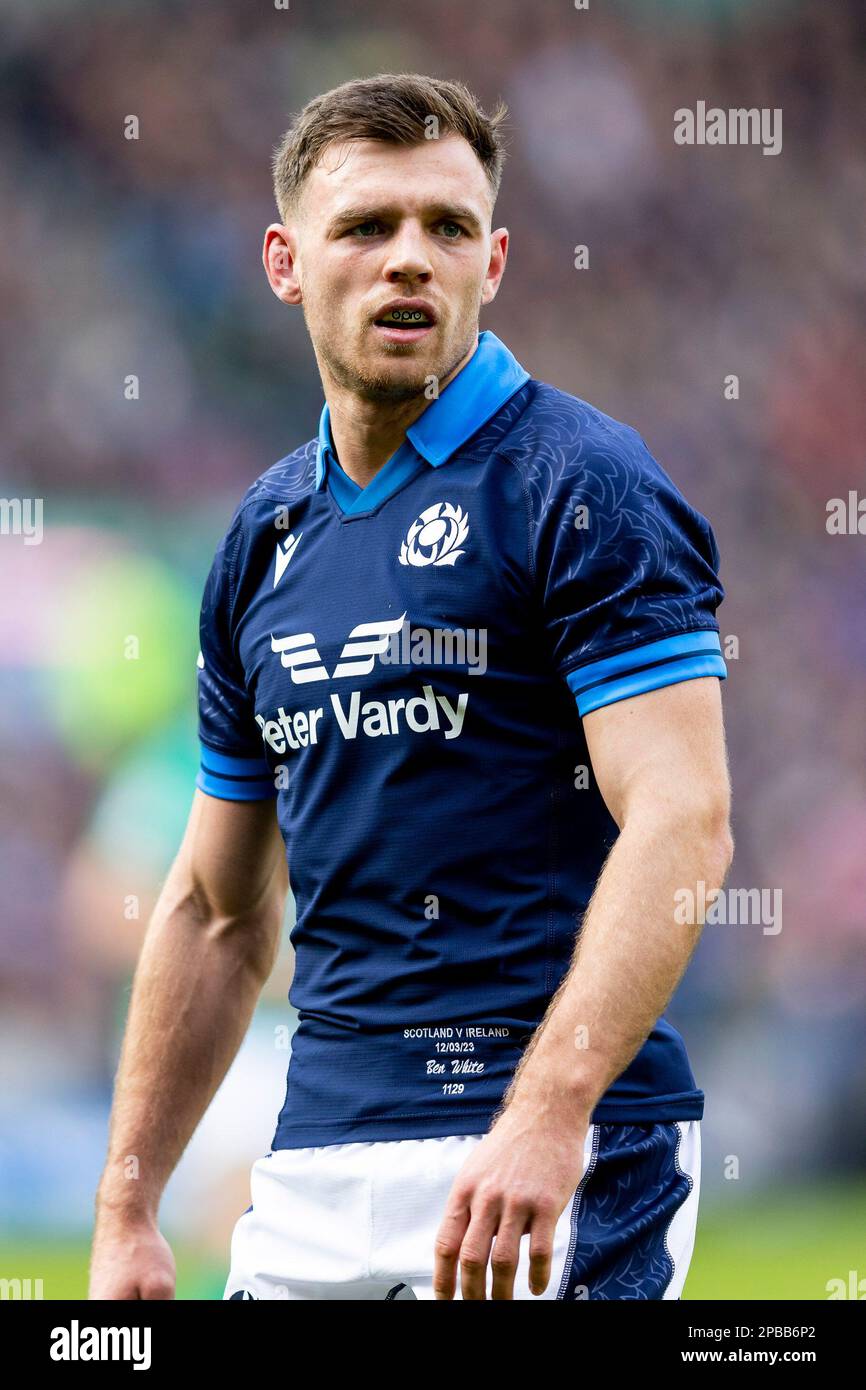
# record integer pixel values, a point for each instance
(379, 387)
(371, 386)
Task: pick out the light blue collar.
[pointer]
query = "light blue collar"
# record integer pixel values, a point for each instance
(481, 388)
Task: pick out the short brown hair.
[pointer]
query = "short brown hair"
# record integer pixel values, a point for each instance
(394, 107)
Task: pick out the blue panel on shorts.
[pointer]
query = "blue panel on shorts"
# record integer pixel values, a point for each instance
(622, 1211)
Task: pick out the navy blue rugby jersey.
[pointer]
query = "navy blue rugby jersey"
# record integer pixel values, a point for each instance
(405, 668)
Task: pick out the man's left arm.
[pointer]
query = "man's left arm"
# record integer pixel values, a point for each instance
(659, 762)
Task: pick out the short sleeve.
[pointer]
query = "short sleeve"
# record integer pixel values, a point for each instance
(233, 766)
(627, 571)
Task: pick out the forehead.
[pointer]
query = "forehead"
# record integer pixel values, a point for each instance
(411, 176)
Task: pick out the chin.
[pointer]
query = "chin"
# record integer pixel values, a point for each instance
(384, 371)
(395, 374)
(394, 386)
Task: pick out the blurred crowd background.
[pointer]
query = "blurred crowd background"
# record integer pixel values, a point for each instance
(142, 257)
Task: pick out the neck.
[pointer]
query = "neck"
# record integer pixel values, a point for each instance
(366, 433)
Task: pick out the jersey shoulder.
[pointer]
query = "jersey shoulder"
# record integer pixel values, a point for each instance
(572, 455)
(594, 489)
(559, 440)
(287, 480)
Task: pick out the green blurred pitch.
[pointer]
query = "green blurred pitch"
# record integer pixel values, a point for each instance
(782, 1247)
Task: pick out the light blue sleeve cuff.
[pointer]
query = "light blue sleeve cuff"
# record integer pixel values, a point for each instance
(234, 779)
(649, 667)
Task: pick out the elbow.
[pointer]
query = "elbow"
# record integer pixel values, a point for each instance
(249, 934)
(700, 825)
(709, 826)
(253, 937)
(720, 850)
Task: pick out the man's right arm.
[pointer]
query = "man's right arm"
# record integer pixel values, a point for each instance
(209, 947)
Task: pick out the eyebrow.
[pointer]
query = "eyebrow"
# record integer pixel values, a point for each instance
(438, 212)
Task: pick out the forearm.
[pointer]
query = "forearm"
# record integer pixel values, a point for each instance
(193, 996)
(629, 958)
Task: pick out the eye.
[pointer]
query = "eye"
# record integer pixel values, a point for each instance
(365, 230)
(451, 230)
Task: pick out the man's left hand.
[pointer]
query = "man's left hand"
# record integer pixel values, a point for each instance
(517, 1180)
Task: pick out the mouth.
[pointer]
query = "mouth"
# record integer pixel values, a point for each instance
(405, 321)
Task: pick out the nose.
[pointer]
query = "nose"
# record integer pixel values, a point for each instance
(407, 256)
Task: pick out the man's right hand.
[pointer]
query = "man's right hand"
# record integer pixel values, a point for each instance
(130, 1259)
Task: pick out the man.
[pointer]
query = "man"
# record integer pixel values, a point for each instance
(459, 653)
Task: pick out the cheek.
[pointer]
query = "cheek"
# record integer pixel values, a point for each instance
(324, 272)
(324, 297)
(464, 273)
(341, 286)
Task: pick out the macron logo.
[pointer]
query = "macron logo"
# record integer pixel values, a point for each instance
(284, 555)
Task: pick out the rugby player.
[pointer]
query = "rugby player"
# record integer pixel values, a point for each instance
(484, 1098)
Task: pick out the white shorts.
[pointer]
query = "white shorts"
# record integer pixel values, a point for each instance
(359, 1221)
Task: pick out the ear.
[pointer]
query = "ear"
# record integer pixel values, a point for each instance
(496, 268)
(279, 258)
